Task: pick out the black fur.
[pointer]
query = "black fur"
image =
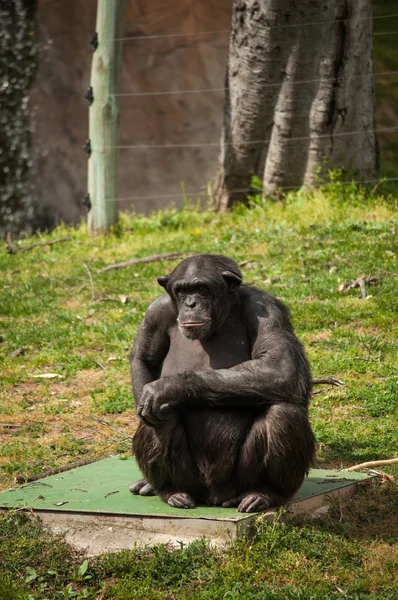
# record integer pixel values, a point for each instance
(222, 387)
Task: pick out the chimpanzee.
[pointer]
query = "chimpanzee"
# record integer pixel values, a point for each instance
(222, 386)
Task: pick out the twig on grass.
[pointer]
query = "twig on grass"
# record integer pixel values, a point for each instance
(91, 282)
(100, 365)
(12, 249)
(374, 463)
(112, 427)
(137, 261)
(387, 272)
(328, 381)
(113, 439)
(360, 282)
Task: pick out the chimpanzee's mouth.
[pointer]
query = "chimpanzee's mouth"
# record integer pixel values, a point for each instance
(192, 323)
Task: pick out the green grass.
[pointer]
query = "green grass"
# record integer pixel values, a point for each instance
(351, 553)
(53, 320)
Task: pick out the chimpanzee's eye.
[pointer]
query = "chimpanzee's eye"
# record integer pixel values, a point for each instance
(202, 290)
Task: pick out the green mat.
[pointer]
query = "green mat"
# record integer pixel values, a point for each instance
(103, 487)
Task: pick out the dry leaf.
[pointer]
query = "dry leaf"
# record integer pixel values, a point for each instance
(123, 299)
(17, 352)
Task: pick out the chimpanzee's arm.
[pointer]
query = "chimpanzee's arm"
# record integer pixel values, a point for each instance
(277, 372)
(151, 345)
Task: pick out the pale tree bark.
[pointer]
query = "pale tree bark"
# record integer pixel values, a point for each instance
(289, 79)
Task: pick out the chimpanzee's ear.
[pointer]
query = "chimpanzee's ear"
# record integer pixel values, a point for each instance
(232, 279)
(163, 280)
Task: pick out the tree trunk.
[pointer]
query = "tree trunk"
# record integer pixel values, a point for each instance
(18, 63)
(287, 79)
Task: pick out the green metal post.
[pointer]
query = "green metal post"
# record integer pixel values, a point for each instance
(104, 116)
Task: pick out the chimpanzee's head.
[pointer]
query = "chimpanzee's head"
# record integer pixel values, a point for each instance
(202, 288)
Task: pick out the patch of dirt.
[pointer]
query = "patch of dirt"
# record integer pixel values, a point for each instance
(348, 410)
(71, 304)
(371, 331)
(315, 337)
(84, 382)
(374, 504)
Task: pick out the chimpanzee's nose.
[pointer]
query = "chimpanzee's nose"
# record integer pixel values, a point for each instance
(190, 302)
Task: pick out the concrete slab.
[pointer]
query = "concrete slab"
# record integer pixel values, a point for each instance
(93, 507)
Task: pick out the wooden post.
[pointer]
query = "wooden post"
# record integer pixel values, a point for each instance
(104, 117)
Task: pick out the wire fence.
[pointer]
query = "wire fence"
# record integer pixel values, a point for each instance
(253, 191)
(267, 85)
(287, 140)
(390, 77)
(228, 31)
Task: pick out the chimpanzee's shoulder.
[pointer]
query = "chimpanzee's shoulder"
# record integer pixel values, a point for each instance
(160, 312)
(258, 303)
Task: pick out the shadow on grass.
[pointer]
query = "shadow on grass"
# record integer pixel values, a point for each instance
(371, 514)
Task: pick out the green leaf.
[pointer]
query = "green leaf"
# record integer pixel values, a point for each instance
(83, 568)
(32, 575)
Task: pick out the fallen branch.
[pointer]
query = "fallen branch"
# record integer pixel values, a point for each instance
(360, 282)
(374, 463)
(145, 259)
(12, 249)
(387, 272)
(328, 381)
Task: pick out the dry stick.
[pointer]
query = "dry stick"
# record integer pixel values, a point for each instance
(371, 464)
(328, 381)
(11, 249)
(388, 272)
(87, 428)
(145, 259)
(103, 422)
(91, 282)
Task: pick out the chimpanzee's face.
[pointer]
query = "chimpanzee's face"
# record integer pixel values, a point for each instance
(201, 294)
(195, 315)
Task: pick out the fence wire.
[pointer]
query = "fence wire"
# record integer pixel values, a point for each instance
(277, 84)
(252, 143)
(217, 144)
(228, 31)
(252, 190)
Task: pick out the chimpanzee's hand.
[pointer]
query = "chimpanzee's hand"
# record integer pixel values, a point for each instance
(157, 398)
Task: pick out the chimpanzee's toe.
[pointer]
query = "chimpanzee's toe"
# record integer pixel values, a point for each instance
(181, 500)
(137, 486)
(254, 502)
(147, 490)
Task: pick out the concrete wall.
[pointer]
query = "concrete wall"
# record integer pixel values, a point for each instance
(59, 113)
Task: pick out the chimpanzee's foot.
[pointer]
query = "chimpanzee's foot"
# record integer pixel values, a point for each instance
(143, 488)
(254, 501)
(181, 500)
